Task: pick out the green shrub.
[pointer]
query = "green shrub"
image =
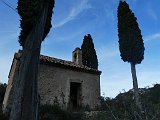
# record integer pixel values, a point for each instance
(123, 105)
(48, 112)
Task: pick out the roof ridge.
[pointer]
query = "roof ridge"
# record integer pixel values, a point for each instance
(48, 60)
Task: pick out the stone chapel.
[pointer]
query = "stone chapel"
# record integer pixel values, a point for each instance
(69, 82)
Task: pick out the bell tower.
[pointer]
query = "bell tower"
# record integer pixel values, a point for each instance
(77, 56)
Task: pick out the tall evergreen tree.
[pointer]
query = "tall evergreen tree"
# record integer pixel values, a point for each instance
(35, 24)
(131, 44)
(30, 11)
(89, 57)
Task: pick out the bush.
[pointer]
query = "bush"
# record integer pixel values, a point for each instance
(123, 106)
(48, 112)
(2, 93)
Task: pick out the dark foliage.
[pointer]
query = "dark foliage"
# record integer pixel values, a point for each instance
(123, 105)
(89, 57)
(131, 44)
(2, 93)
(48, 112)
(30, 11)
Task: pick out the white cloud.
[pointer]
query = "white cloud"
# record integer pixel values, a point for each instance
(110, 15)
(151, 12)
(107, 52)
(155, 36)
(84, 5)
(8, 37)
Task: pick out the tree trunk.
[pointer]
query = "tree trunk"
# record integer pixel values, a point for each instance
(135, 87)
(25, 104)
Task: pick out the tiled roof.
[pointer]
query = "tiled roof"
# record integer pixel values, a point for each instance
(63, 63)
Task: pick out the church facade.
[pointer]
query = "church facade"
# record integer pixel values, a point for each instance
(69, 83)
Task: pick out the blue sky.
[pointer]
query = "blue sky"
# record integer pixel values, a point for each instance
(72, 20)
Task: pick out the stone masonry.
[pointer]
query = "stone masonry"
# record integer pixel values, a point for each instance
(69, 83)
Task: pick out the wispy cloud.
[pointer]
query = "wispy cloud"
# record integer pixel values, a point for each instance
(65, 38)
(110, 15)
(107, 52)
(107, 12)
(155, 36)
(151, 12)
(75, 11)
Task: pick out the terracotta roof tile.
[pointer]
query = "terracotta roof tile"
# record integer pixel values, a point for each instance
(62, 63)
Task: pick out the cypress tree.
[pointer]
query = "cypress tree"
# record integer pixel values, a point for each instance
(30, 12)
(89, 57)
(35, 23)
(131, 44)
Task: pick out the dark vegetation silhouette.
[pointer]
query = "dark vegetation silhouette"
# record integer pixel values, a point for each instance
(35, 25)
(123, 107)
(2, 93)
(30, 12)
(54, 112)
(131, 44)
(89, 56)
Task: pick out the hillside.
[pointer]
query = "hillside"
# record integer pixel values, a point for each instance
(121, 107)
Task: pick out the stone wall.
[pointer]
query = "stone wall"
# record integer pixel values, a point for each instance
(54, 82)
(12, 79)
